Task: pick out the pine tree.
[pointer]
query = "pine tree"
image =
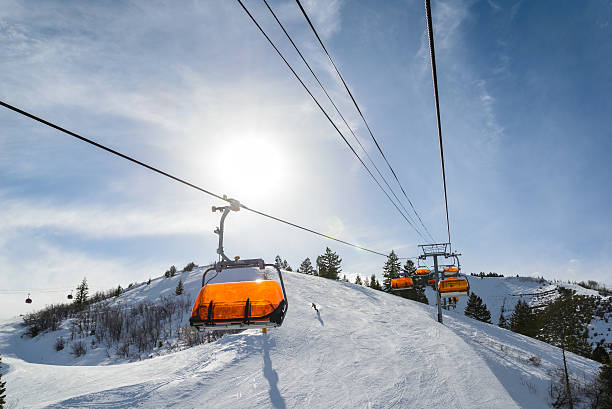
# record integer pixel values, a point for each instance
(391, 270)
(600, 354)
(477, 310)
(172, 271)
(409, 269)
(2, 388)
(320, 271)
(278, 261)
(179, 288)
(503, 322)
(306, 267)
(81, 295)
(346, 280)
(605, 386)
(286, 266)
(416, 294)
(329, 265)
(149, 282)
(523, 320)
(374, 283)
(366, 282)
(358, 280)
(565, 322)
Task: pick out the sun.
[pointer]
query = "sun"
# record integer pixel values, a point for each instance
(252, 168)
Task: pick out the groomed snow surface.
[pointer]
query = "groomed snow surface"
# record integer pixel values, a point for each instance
(362, 349)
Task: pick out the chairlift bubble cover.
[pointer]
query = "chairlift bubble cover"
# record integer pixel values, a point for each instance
(422, 271)
(403, 283)
(453, 286)
(259, 302)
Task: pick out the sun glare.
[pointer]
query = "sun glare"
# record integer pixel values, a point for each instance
(252, 168)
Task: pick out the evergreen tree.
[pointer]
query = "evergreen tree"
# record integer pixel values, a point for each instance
(167, 274)
(329, 264)
(374, 283)
(278, 261)
(286, 266)
(179, 288)
(391, 270)
(600, 354)
(172, 271)
(565, 322)
(81, 294)
(502, 323)
(149, 282)
(346, 280)
(366, 282)
(477, 310)
(2, 388)
(320, 271)
(605, 387)
(409, 269)
(416, 294)
(358, 280)
(306, 267)
(523, 320)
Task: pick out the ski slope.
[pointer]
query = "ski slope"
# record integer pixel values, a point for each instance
(363, 349)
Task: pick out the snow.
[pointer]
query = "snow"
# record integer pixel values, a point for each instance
(363, 348)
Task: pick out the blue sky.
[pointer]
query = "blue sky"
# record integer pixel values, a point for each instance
(197, 91)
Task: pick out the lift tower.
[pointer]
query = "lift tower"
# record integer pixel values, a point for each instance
(436, 250)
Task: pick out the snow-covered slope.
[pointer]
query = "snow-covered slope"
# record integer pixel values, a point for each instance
(506, 291)
(364, 348)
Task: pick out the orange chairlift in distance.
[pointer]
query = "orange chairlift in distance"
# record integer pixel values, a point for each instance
(401, 284)
(260, 303)
(453, 287)
(422, 271)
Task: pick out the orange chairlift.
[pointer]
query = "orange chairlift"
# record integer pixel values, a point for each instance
(422, 270)
(28, 300)
(401, 284)
(453, 285)
(260, 303)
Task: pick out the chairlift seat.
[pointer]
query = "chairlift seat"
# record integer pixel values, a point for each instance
(422, 271)
(453, 287)
(258, 303)
(403, 283)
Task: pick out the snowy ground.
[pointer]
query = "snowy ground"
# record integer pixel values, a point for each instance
(364, 348)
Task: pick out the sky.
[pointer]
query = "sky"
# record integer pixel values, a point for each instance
(197, 91)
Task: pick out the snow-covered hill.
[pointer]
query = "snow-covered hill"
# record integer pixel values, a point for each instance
(364, 348)
(506, 291)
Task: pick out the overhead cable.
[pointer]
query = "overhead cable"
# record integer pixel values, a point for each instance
(326, 115)
(362, 117)
(338, 111)
(434, 75)
(177, 179)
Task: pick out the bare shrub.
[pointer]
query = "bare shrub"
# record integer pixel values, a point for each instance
(78, 348)
(535, 360)
(60, 343)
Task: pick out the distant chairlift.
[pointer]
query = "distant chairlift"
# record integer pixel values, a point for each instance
(453, 285)
(402, 284)
(28, 300)
(260, 303)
